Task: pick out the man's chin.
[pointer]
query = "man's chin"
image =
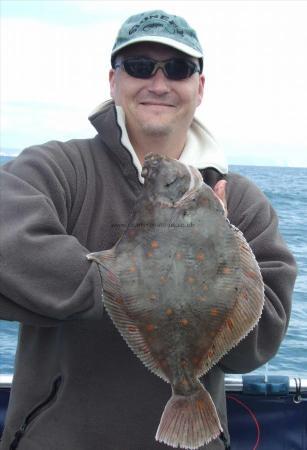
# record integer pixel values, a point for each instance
(158, 129)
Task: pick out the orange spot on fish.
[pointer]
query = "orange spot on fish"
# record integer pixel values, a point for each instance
(132, 328)
(150, 327)
(169, 312)
(204, 201)
(184, 322)
(163, 279)
(154, 244)
(251, 274)
(205, 287)
(149, 254)
(200, 404)
(210, 354)
(191, 280)
(195, 360)
(119, 300)
(162, 363)
(200, 256)
(152, 297)
(229, 324)
(214, 312)
(184, 381)
(244, 295)
(132, 269)
(227, 270)
(178, 256)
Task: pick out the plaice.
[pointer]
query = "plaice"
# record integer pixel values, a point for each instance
(182, 286)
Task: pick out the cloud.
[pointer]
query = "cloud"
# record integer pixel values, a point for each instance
(53, 63)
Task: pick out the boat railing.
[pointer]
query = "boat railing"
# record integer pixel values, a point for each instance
(256, 384)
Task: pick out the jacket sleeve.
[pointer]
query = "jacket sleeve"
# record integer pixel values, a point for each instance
(250, 211)
(45, 277)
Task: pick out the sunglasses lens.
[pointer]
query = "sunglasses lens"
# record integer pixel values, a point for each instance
(178, 69)
(174, 69)
(139, 68)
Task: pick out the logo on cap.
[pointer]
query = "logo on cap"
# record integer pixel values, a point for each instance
(156, 22)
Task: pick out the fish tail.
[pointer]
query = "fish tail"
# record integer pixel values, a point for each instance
(189, 421)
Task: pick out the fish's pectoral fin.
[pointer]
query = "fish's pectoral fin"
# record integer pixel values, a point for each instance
(189, 421)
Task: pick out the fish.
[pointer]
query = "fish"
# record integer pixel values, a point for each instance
(183, 288)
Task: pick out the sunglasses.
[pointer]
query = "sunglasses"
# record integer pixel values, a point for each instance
(173, 69)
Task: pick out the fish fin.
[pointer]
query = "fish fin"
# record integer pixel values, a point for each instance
(189, 421)
(118, 307)
(247, 308)
(101, 257)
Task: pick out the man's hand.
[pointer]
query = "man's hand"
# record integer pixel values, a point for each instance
(220, 192)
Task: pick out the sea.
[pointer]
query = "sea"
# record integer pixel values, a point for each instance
(286, 188)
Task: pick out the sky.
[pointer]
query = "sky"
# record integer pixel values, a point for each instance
(55, 60)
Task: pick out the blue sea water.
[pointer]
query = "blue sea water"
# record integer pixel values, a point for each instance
(286, 188)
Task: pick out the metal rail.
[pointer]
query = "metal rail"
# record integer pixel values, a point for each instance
(236, 383)
(233, 384)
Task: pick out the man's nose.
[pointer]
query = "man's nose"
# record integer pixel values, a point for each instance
(159, 84)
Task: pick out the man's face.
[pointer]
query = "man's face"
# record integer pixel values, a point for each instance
(156, 106)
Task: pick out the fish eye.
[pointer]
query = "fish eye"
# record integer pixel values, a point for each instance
(170, 182)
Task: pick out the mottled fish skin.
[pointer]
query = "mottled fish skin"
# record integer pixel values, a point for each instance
(182, 287)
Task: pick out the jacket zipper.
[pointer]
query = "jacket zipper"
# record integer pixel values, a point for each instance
(35, 412)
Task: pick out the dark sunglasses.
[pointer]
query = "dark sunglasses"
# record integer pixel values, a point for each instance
(173, 69)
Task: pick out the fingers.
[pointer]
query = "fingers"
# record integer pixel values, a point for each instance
(220, 191)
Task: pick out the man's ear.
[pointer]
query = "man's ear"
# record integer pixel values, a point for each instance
(112, 82)
(201, 88)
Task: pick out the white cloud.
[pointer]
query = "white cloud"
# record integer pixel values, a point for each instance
(54, 64)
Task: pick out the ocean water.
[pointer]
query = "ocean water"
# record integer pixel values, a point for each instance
(286, 188)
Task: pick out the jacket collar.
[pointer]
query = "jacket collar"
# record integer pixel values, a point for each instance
(200, 151)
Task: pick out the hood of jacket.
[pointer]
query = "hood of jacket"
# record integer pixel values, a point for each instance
(200, 150)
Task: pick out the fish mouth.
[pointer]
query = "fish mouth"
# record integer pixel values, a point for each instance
(151, 159)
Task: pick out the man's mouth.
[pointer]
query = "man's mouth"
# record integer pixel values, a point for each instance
(157, 104)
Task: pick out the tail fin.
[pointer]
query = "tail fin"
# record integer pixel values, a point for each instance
(189, 421)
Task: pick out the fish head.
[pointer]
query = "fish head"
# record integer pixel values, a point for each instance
(168, 180)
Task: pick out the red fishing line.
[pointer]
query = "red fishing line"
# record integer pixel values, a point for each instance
(253, 416)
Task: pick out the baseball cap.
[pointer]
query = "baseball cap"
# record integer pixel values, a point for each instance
(161, 27)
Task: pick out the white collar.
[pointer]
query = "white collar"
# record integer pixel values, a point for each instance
(200, 150)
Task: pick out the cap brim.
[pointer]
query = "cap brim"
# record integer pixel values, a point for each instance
(162, 40)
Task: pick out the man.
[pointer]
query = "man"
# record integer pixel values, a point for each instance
(76, 384)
